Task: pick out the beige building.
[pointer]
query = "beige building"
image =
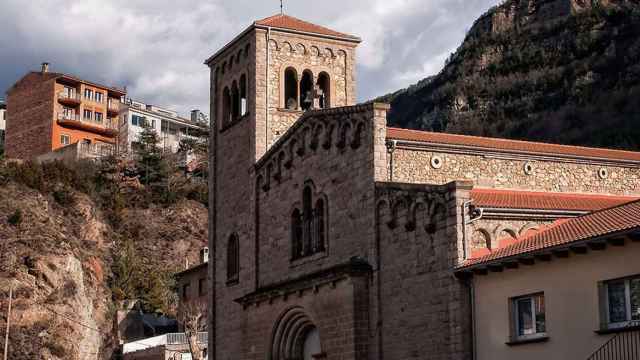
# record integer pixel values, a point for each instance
(568, 291)
(334, 236)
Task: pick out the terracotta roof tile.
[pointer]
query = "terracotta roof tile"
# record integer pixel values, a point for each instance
(510, 145)
(609, 221)
(289, 22)
(515, 199)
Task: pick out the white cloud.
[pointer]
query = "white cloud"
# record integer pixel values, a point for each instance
(156, 47)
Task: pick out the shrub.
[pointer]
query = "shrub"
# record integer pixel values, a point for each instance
(15, 219)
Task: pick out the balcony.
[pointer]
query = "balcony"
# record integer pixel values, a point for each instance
(106, 128)
(113, 108)
(73, 99)
(623, 346)
(162, 340)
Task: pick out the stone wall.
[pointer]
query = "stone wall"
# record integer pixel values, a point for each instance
(508, 172)
(422, 310)
(331, 151)
(491, 233)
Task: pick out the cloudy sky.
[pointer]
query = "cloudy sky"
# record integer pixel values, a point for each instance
(156, 47)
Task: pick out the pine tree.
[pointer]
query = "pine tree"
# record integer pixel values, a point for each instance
(151, 164)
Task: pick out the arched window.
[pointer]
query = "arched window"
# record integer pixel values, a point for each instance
(291, 89)
(308, 229)
(243, 95)
(235, 101)
(233, 259)
(324, 85)
(226, 106)
(306, 90)
(296, 235)
(246, 51)
(318, 226)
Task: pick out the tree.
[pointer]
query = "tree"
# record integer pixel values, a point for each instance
(152, 166)
(193, 317)
(127, 272)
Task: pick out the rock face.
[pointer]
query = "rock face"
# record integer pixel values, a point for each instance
(58, 259)
(547, 70)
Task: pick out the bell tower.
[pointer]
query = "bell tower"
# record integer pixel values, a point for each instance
(277, 69)
(262, 82)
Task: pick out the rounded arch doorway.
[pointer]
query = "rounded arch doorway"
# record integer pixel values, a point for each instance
(296, 337)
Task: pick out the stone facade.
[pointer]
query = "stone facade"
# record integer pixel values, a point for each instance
(507, 171)
(348, 239)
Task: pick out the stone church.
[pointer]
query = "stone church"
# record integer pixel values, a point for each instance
(334, 236)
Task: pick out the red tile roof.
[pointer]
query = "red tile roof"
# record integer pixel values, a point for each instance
(604, 222)
(289, 22)
(514, 199)
(511, 145)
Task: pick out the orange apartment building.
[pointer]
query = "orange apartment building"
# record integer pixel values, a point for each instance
(49, 111)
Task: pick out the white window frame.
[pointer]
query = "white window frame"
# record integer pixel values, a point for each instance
(63, 136)
(88, 94)
(85, 112)
(515, 319)
(98, 96)
(627, 299)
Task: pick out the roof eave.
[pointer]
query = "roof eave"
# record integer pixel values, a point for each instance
(346, 38)
(486, 265)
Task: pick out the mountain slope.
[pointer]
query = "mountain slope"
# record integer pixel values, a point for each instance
(565, 71)
(60, 236)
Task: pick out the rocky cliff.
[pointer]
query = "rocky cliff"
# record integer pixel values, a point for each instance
(59, 242)
(564, 71)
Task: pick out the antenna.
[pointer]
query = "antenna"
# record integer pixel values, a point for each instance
(281, 8)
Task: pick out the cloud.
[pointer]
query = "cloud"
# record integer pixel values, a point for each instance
(156, 47)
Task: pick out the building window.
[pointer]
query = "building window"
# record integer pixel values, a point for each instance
(306, 90)
(185, 292)
(98, 117)
(243, 95)
(528, 317)
(233, 259)
(137, 120)
(98, 97)
(88, 94)
(65, 139)
(291, 89)
(226, 107)
(202, 287)
(622, 302)
(324, 87)
(308, 227)
(235, 101)
(87, 114)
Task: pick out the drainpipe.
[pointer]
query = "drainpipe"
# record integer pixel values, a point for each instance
(391, 148)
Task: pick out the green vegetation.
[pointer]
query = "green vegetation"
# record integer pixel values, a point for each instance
(572, 80)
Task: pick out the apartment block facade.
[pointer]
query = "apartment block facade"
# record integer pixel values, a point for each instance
(171, 127)
(48, 111)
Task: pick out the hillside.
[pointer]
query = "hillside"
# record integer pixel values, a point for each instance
(63, 232)
(565, 71)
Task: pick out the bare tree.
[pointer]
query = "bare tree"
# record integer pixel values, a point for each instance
(193, 316)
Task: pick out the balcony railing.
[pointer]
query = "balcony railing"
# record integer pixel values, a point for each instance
(107, 127)
(73, 97)
(623, 346)
(68, 116)
(95, 150)
(113, 106)
(162, 340)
